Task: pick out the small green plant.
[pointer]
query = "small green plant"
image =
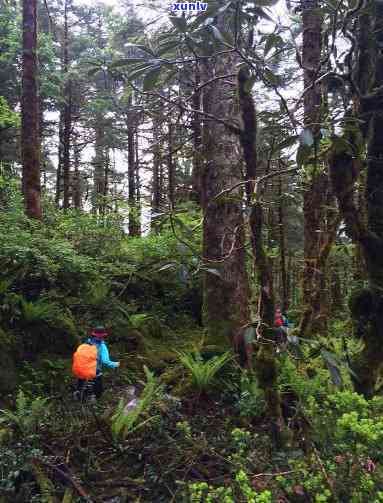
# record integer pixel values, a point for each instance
(125, 420)
(251, 401)
(29, 412)
(184, 428)
(37, 311)
(203, 372)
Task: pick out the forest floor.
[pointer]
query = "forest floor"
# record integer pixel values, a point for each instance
(186, 445)
(188, 439)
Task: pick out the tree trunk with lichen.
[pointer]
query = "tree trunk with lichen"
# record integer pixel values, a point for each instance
(316, 182)
(366, 304)
(266, 365)
(30, 141)
(225, 288)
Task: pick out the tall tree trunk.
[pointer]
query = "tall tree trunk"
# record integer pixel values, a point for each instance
(314, 197)
(282, 246)
(226, 294)
(366, 304)
(30, 141)
(67, 112)
(266, 365)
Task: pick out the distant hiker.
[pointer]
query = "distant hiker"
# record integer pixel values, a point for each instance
(282, 324)
(88, 361)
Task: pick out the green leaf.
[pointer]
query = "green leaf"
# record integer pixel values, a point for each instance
(151, 78)
(272, 41)
(138, 71)
(333, 367)
(271, 77)
(141, 47)
(167, 47)
(179, 23)
(166, 267)
(126, 62)
(220, 36)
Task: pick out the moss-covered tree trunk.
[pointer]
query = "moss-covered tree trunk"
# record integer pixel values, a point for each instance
(30, 141)
(225, 289)
(366, 304)
(315, 187)
(266, 365)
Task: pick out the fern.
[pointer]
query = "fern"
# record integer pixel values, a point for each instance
(122, 422)
(41, 310)
(203, 372)
(28, 413)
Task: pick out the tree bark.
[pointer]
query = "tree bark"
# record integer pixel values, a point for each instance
(30, 141)
(266, 365)
(366, 304)
(197, 140)
(76, 186)
(67, 113)
(170, 163)
(316, 185)
(226, 294)
(282, 246)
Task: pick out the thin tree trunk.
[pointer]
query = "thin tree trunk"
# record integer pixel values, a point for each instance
(156, 188)
(76, 186)
(134, 228)
(171, 174)
(99, 167)
(266, 365)
(138, 182)
(67, 113)
(197, 141)
(30, 141)
(282, 246)
(59, 160)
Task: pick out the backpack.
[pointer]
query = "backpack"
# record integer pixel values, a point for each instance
(85, 362)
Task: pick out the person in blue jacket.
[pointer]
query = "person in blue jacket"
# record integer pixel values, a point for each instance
(96, 338)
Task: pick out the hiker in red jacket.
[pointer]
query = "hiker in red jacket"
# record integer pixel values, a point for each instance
(282, 324)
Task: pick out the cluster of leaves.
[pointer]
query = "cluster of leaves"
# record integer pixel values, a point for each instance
(7, 117)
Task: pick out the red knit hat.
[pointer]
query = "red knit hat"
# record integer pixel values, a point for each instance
(99, 332)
